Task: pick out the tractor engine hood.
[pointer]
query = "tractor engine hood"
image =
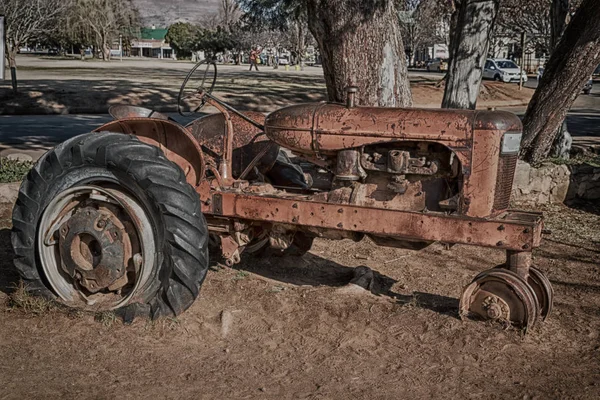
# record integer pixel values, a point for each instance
(325, 128)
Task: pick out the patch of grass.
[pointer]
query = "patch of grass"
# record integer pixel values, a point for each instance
(162, 324)
(106, 318)
(591, 159)
(25, 302)
(276, 289)
(13, 170)
(240, 275)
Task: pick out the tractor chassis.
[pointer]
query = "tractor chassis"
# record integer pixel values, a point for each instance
(517, 232)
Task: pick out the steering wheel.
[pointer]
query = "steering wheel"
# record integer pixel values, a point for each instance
(196, 85)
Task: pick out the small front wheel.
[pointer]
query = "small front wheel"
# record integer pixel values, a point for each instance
(500, 295)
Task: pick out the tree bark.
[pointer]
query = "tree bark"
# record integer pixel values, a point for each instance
(106, 52)
(11, 55)
(558, 18)
(468, 51)
(361, 46)
(571, 64)
(301, 46)
(559, 9)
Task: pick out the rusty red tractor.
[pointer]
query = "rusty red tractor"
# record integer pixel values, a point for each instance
(121, 218)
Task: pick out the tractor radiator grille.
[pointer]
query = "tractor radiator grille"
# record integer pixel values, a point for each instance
(506, 174)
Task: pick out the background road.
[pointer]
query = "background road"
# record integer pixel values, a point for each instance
(33, 135)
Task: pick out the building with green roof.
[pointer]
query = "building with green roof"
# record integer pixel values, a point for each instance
(152, 44)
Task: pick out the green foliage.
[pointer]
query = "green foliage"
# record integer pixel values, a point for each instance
(273, 14)
(214, 41)
(182, 37)
(13, 170)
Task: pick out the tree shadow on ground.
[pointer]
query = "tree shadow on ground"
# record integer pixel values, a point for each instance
(312, 270)
(158, 91)
(583, 205)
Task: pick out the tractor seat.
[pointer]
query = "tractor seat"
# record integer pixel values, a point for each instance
(248, 140)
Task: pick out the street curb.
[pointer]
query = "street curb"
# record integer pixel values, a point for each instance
(27, 111)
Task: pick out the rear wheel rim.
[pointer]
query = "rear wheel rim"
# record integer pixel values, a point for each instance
(96, 247)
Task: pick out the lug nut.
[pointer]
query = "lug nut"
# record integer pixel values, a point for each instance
(494, 311)
(101, 223)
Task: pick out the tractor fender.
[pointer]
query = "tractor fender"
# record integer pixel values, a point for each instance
(175, 141)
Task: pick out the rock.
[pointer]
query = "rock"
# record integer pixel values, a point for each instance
(549, 183)
(226, 322)
(9, 192)
(560, 191)
(522, 174)
(352, 289)
(363, 277)
(362, 281)
(546, 183)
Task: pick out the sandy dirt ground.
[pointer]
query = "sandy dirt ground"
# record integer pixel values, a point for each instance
(288, 328)
(71, 87)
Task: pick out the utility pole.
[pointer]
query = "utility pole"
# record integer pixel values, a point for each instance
(522, 60)
(2, 50)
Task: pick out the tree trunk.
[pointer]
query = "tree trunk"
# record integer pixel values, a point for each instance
(105, 50)
(468, 51)
(559, 9)
(570, 66)
(301, 45)
(558, 18)
(361, 46)
(11, 55)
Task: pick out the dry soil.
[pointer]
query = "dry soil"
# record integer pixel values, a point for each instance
(288, 328)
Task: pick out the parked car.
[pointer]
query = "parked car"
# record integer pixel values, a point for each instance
(284, 59)
(502, 70)
(438, 65)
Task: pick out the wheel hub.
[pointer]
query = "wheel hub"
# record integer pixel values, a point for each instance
(496, 308)
(95, 249)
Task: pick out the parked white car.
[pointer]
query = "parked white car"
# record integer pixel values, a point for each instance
(284, 59)
(502, 70)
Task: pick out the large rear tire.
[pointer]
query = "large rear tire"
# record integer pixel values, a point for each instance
(106, 222)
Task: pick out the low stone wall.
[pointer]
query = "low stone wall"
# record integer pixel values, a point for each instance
(553, 183)
(585, 183)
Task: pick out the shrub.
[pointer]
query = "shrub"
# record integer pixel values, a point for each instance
(13, 170)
